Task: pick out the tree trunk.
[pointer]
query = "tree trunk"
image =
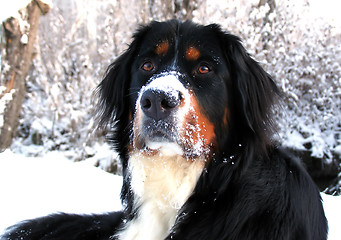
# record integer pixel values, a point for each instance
(19, 49)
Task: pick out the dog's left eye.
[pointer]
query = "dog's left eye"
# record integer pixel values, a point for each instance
(148, 66)
(203, 69)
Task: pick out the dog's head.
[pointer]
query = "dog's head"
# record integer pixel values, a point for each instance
(186, 89)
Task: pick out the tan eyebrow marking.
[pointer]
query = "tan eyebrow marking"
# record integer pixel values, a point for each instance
(162, 48)
(192, 54)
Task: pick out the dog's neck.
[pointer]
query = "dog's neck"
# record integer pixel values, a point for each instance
(161, 185)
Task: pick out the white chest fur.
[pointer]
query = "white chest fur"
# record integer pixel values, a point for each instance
(161, 185)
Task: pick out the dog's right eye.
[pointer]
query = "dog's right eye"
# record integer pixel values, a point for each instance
(148, 66)
(204, 69)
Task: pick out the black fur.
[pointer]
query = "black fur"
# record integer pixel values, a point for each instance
(66, 227)
(250, 189)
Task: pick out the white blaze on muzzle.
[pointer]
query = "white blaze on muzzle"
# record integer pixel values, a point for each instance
(169, 86)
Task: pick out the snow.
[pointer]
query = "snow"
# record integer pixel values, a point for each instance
(168, 82)
(36, 186)
(4, 100)
(32, 187)
(332, 208)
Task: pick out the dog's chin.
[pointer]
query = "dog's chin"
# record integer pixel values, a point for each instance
(164, 145)
(165, 148)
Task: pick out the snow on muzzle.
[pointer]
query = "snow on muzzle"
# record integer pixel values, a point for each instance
(160, 110)
(168, 119)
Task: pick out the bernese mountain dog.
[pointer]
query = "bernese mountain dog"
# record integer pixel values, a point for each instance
(191, 114)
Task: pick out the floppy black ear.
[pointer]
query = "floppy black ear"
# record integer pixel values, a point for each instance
(112, 104)
(254, 91)
(113, 97)
(112, 91)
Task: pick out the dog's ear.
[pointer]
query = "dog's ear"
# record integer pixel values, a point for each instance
(112, 92)
(254, 91)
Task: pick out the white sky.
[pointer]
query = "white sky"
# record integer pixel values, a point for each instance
(10, 8)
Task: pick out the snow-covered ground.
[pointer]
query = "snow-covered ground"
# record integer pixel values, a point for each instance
(32, 187)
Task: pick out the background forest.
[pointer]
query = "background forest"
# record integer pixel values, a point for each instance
(297, 42)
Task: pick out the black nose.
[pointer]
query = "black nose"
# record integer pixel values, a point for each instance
(158, 104)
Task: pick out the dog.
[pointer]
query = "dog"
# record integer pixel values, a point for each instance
(192, 120)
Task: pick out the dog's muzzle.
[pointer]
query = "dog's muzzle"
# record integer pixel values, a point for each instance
(160, 111)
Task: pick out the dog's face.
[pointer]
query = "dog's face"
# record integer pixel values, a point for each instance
(186, 89)
(178, 91)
